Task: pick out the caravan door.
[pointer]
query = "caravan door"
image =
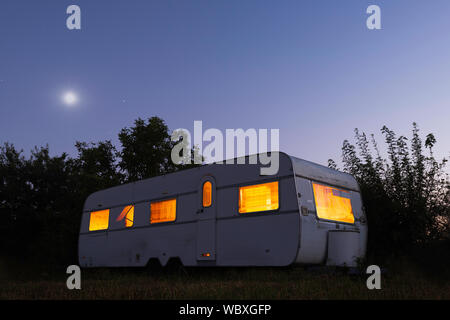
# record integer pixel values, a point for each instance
(206, 220)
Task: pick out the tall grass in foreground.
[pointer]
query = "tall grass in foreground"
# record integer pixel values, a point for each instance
(295, 283)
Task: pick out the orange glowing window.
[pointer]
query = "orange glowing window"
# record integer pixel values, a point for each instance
(127, 214)
(163, 211)
(259, 197)
(333, 204)
(207, 194)
(99, 220)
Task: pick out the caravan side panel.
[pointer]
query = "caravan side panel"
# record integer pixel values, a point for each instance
(252, 239)
(259, 239)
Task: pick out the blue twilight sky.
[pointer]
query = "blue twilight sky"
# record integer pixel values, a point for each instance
(310, 68)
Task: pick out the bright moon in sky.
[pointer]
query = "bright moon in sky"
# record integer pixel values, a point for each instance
(70, 98)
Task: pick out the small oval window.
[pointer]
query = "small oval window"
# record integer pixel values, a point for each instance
(207, 194)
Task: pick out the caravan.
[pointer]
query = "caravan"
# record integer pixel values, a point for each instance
(228, 215)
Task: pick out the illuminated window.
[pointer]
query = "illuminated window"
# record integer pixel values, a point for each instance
(207, 194)
(260, 197)
(333, 204)
(163, 211)
(99, 220)
(127, 214)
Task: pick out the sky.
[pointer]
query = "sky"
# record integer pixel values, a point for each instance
(311, 69)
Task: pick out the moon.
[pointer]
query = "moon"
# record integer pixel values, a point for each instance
(70, 98)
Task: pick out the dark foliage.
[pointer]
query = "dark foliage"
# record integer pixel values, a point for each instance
(406, 195)
(146, 149)
(41, 197)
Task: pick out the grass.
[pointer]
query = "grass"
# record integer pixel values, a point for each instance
(228, 283)
(421, 275)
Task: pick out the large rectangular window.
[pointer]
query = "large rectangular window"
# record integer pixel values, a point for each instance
(99, 220)
(333, 204)
(163, 211)
(259, 197)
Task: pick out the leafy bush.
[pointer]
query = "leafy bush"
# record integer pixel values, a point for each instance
(406, 195)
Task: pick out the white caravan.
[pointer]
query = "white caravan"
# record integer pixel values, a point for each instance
(228, 215)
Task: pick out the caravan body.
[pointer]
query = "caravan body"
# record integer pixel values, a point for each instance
(228, 215)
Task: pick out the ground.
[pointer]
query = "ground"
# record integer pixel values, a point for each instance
(422, 273)
(401, 281)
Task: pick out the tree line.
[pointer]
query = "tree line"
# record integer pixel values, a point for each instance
(42, 196)
(406, 195)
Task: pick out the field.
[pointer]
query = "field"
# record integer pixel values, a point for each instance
(405, 278)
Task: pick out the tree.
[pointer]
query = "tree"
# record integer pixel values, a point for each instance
(13, 193)
(35, 200)
(42, 196)
(97, 165)
(406, 196)
(146, 150)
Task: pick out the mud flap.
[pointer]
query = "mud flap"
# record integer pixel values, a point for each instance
(343, 248)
